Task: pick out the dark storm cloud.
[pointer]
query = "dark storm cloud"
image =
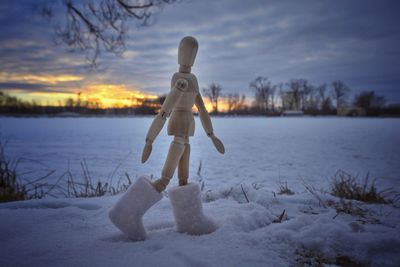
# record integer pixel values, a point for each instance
(355, 41)
(30, 87)
(318, 40)
(24, 86)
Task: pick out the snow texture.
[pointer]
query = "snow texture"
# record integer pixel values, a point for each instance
(77, 232)
(260, 154)
(128, 211)
(188, 210)
(258, 150)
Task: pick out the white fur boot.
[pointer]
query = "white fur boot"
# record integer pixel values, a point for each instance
(188, 210)
(128, 211)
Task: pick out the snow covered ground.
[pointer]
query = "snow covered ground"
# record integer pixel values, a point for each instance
(77, 232)
(258, 150)
(261, 154)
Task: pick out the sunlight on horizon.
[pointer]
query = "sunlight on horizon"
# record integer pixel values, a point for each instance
(96, 95)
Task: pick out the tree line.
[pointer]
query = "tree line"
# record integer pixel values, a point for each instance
(11, 105)
(269, 100)
(298, 95)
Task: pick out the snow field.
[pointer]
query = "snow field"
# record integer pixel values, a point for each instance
(77, 232)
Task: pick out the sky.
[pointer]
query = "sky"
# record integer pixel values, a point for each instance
(357, 42)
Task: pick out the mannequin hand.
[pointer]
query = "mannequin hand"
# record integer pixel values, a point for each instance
(217, 143)
(147, 150)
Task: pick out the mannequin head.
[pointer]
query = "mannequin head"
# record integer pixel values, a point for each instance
(187, 53)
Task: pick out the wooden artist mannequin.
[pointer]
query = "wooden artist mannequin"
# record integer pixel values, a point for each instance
(185, 199)
(184, 94)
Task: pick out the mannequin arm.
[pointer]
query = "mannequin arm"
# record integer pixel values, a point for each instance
(207, 125)
(159, 121)
(204, 116)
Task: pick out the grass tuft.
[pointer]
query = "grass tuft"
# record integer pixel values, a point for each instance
(15, 188)
(347, 207)
(10, 188)
(346, 186)
(88, 188)
(284, 189)
(314, 257)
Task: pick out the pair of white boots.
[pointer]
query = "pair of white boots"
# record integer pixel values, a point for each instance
(186, 203)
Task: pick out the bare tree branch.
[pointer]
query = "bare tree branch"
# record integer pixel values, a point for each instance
(340, 92)
(94, 27)
(213, 93)
(262, 88)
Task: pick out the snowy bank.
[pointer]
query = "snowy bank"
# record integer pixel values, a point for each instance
(77, 232)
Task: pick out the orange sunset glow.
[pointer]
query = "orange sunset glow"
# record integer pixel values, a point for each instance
(104, 95)
(116, 96)
(65, 86)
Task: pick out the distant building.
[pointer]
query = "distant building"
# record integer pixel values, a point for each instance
(68, 114)
(351, 111)
(293, 113)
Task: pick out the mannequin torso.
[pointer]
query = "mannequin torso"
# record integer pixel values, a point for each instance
(181, 121)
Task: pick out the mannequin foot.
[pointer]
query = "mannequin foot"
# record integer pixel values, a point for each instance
(127, 213)
(183, 182)
(160, 185)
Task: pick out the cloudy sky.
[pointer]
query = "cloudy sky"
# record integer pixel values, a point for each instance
(357, 42)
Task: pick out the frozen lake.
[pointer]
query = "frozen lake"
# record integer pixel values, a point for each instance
(258, 150)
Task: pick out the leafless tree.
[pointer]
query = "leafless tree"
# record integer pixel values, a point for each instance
(284, 99)
(99, 26)
(231, 100)
(235, 102)
(368, 99)
(340, 92)
(242, 103)
(307, 95)
(296, 91)
(326, 106)
(313, 101)
(323, 102)
(213, 92)
(262, 89)
(321, 94)
(69, 103)
(272, 94)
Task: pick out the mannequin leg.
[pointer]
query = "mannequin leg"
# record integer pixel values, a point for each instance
(175, 152)
(183, 167)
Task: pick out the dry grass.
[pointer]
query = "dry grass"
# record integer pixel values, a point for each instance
(280, 218)
(347, 207)
(284, 189)
(86, 187)
(244, 193)
(314, 257)
(199, 177)
(14, 188)
(353, 194)
(346, 186)
(10, 188)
